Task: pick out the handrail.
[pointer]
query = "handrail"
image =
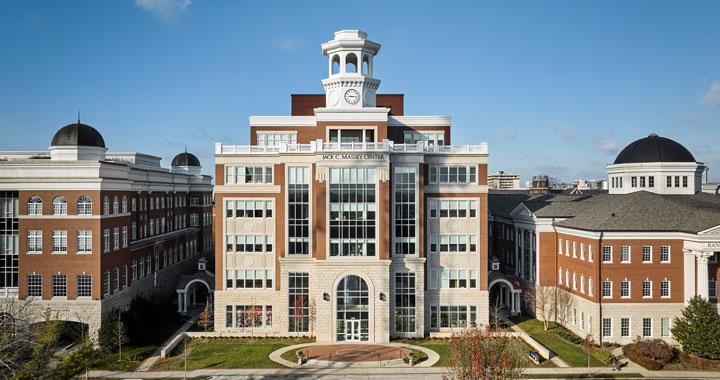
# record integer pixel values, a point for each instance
(318, 146)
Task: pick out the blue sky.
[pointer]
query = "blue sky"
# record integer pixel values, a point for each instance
(554, 87)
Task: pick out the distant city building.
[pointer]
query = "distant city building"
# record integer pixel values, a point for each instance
(83, 230)
(540, 185)
(503, 181)
(627, 260)
(590, 184)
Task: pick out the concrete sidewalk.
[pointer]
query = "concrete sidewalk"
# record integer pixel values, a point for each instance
(386, 371)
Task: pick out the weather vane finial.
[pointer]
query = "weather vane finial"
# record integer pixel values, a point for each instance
(78, 116)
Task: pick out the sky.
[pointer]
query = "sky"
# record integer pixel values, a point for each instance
(554, 87)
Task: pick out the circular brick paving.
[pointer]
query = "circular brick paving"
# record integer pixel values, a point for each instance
(354, 352)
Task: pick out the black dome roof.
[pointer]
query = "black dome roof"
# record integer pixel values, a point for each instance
(654, 149)
(78, 134)
(185, 159)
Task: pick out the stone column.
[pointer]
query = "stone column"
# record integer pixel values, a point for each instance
(689, 274)
(521, 243)
(184, 302)
(180, 308)
(517, 257)
(702, 274)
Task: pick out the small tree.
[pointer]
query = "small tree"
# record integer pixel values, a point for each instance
(205, 318)
(477, 354)
(496, 314)
(565, 302)
(544, 299)
(589, 346)
(120, 336)
(698, 330)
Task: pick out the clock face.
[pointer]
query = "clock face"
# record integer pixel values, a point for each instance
(352, 96)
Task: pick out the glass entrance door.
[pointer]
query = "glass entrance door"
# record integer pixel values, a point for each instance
(352, 331)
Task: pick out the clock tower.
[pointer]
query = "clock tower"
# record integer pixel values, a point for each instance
(350, 83)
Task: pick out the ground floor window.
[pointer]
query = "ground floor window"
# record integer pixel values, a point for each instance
(405, 302)
(298, 298)
(625, 327)
(452, 316)
(647, 327)
(665, 327)
(249, 316)
(606, 327)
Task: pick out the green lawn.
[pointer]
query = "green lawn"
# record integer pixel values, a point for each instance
(573, 354)
(439, 345)
(228, 353)
(585, 376)
(133, 356)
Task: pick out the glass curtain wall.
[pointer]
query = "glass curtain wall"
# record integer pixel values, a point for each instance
(352, 212)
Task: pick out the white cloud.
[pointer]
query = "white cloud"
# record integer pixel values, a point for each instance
(289, 45)
(712, 98)
(166, 11)
(608, 145)
(565, 129)
(510, 133)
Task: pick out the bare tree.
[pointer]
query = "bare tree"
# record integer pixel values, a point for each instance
(496, 314)
(120, 336)
(205, 318)
(543, 297)
(313, 317)
(565, 302)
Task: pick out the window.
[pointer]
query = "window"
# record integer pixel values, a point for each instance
(669, 181)
(106, 282)
(625, 327)
(651, 181)
(352, 211)
(106, 205)
(248, 175)
(268, 279)
(59, 285)
(59, 206)
(473, 279)
(124, 236)
(625, 254)
(712, 289)
(433, 243)
(625, 289)
(116, 238)
(647, 289)
(582, 283)
(404, 215)
(567, 278)
(433, 279)
(405, 302)
(116, 205)
(665, 254)
(134, 270)
(84, 205)
(590, 287)
(194, 200)
(299, 211)
(453, 174)
(647, 254)
(453, 279)
(116, 277)
(430, 138)
(457, 243)
(84, 241)
(642, 181)
(607, 327)
(457, 209)
(665, 288)
(567, 247)
(449, 316)
(125, 276)
(34, 285)
(607, 254)
(677, 181)
(647, 327)
(633, 181)
(134, 204)
(574, 317)
(276, 138)
(59, 241)
(560, 276)
(574, 249)
(582, 251)
(124, 205)
(665, 327)
(34, 205)
(590, 253)
(34, 242)
(194, 220)
(84, 285)
(685, 181)
(574, 281)
(299, 294)
(607, 289)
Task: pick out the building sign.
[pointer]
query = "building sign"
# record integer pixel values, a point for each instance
(355, 157)
(713, 245)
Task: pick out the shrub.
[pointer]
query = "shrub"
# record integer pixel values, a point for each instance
(655, 349)
(698, 330)
(632, 353)
(603, 356)
(480, 354)
(107, 330)
(76, 362)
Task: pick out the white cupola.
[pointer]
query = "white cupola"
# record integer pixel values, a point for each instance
(350, 83)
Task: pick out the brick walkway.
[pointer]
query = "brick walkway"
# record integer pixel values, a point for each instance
(354, 352)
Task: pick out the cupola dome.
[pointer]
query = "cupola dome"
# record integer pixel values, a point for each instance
(654, 149)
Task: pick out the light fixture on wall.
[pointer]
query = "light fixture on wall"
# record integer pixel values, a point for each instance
(326, 297)
(382, 296)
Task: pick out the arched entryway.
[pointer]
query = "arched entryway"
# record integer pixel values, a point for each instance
(505, 294)
(352, 297)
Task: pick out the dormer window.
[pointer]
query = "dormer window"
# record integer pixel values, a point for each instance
(351, 135)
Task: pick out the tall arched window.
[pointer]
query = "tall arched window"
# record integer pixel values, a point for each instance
(351, 63)
(106, 205)
(84, 205)
(352, 309)
(336, 64)
(116, 205)
(194, 200)
(34, 205)
(59, 205)
(124, 205)
(366, 65)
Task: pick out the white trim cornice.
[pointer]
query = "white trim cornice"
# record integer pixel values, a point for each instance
(282, 121)
(419, 121)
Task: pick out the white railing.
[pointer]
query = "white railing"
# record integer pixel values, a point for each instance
(319, 146)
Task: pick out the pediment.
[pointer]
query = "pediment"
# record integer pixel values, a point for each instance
(521, 210)
(711, 231)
